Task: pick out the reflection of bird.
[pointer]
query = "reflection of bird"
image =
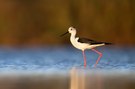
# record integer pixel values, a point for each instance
(84, 43)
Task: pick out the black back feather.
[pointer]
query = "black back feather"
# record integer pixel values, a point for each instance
(91, 42)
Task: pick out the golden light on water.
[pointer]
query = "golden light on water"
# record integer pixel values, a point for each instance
(77, 79)
(90, 79)
(80, 80)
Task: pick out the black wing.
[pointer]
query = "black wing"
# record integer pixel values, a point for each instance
(89, 41)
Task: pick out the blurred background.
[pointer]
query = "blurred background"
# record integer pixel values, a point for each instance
(49, 65)
(40, 22)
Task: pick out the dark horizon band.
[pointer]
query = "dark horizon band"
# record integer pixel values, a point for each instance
(64, 34)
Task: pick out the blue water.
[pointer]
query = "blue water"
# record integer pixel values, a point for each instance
(44, 59)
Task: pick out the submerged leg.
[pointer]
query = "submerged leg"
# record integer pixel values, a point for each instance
(100, 55)
(84, 57)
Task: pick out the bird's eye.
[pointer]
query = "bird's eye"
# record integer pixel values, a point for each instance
(71, 29)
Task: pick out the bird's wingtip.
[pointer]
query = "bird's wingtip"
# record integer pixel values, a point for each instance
(108, 43)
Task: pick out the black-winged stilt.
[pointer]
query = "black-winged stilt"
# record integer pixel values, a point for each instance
(84, 43)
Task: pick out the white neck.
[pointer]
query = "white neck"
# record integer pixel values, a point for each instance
(73, 35)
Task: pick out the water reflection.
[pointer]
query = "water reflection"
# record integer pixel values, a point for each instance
(91, 79)
(75, 79)
(34, 81)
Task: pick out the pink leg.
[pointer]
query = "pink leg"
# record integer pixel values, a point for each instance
(100, 55)
(84, 59)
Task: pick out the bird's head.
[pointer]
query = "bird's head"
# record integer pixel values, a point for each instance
(70, 30)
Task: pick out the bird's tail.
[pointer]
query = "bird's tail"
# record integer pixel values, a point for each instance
(106, 43)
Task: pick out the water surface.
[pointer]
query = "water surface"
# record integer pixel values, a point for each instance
(46, 59)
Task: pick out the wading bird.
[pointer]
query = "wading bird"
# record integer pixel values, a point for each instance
(84, 43)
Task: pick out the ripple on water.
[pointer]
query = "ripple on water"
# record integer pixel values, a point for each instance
(63, 59)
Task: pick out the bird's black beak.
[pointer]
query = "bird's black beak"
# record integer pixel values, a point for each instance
(64, 34)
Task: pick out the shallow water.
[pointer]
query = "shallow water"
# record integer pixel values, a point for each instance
(62, 68)
(47, 59)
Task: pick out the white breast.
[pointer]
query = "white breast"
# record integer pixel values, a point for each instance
(78, 45)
